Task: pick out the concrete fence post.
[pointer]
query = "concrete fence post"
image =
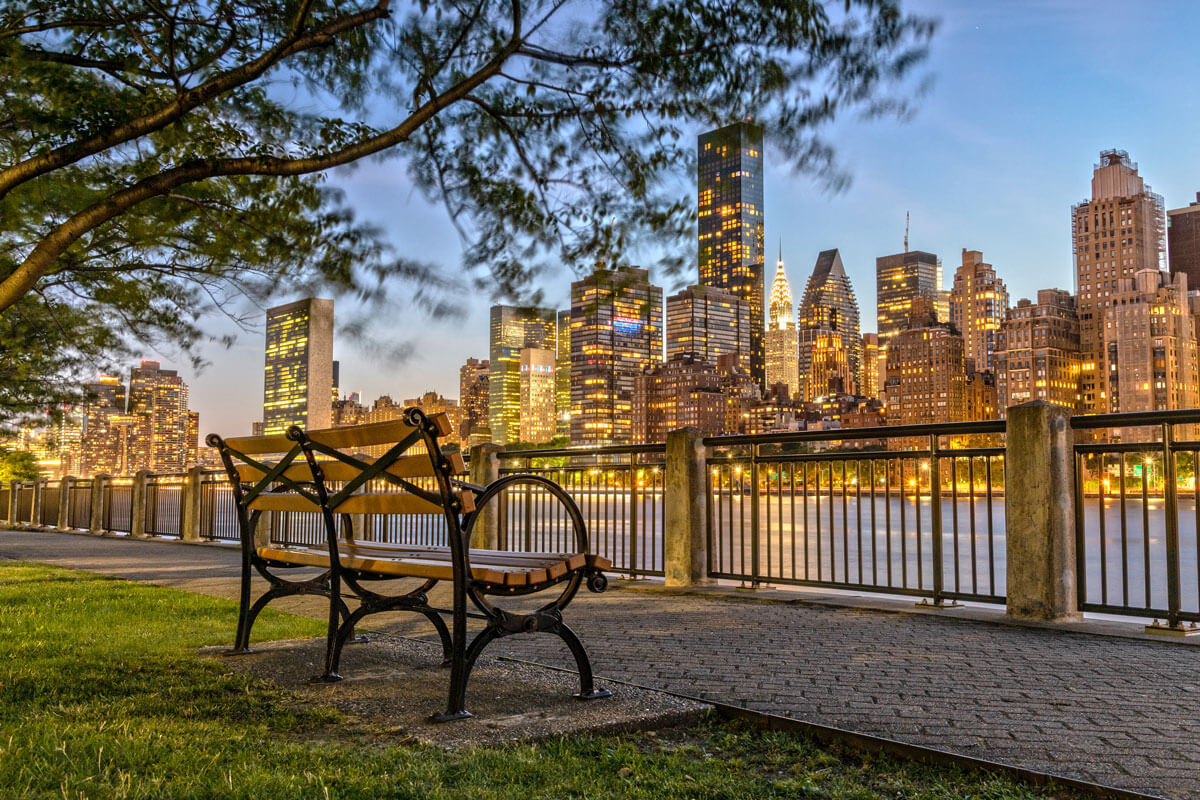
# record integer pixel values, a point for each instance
(685, 509)
(485, 468)
(14, 493)
(262, 530)
(137, 504)
(189, 506)
(64, 504)
(96, 511)
(35, 508)
(1039, 498)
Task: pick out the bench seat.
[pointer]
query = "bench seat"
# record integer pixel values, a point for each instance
(495, 567)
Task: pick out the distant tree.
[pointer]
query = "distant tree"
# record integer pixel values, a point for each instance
(17, 465)
(162, 158)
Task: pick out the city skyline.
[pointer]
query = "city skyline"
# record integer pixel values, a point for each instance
(969, 139)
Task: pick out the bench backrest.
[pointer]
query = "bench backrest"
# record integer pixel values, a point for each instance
(323, 470)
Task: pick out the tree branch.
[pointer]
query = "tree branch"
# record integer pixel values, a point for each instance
(296, 41)
(41, 259)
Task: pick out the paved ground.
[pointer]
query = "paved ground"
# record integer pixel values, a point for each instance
(1117, 711)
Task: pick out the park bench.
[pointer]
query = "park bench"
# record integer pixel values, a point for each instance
(324, 471)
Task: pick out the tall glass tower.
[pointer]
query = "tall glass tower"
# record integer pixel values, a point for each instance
(830, 308)
(513, 329)
(898, 279)
(298, 371)
(616, 333)
(730, 222)
(782, 343)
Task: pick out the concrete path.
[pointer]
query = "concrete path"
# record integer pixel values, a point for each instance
(1113, 710)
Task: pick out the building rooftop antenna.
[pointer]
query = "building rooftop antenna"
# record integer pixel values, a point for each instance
(906, 231)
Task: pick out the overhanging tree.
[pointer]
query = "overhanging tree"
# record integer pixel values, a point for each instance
(160, 159)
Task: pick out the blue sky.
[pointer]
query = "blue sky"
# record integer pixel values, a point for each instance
(1025, 95)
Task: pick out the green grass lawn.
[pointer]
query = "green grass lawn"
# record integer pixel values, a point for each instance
(102, 695)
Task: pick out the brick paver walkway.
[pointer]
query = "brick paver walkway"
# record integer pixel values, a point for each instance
(1116, 711)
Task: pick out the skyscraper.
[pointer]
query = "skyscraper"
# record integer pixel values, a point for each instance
(1116, 234)
(781, 342)
(513, 329)
(978, 305)
(898, 279)
(730, 222)
(537, 395)
(684, 392)
(707, 323)
(829, 307)
(1149, 343)
(298, 375)
(872, 380)
(1183, 241)
(616, 332)
(158, 402)
(473, 397)
(107, 429)
(562, 376)
(926, 376)
(828, 371)
(1037, 352)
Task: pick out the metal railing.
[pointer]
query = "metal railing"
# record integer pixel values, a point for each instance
(50, 501)
(79, 503)
(118, 505)
(802, 508)
(1137, 511)
(619, 491)
(785, 509)
(164, 504)
(218, 514)
(25, 503)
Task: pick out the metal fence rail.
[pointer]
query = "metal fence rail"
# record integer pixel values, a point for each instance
(919, 510)
(118, 506)
(218, 514)
(923, 522)
(25, 503)
(1137, 512)
(164, 504)
(79, 508)
(50, 501)
(619, 491)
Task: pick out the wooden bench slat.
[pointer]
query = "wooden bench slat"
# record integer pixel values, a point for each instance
(556, 564)
(414, 567)
(282, 502)
(404, 467)
(374, 433)
(399, 503)
(370, 503)
(257, 445)
(598, 562)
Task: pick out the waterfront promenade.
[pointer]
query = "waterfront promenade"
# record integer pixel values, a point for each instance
(1116, 710)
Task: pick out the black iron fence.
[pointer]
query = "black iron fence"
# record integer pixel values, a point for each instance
(79, 503)
(822, 508)
(218, 514)
(164, 504)
(1137, 511)
(619, 490)
(915, 510)
(118, 505)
